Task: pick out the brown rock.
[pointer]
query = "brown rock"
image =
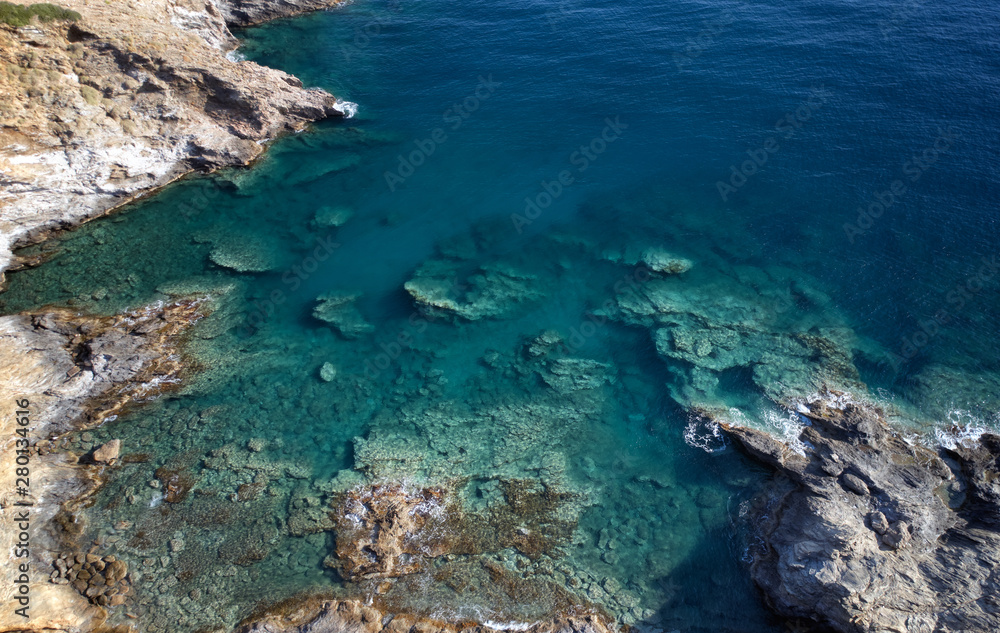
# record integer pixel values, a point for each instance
(108, 452)
(115, 571)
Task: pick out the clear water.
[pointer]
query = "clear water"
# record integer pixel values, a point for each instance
(780, 298)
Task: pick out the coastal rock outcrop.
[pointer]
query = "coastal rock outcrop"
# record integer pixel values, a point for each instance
(318, 614)
(249, 12)
(69, 370)
(128, 98)
(868, 531)
(386, 530)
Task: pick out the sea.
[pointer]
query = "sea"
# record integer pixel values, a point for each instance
(556, 243)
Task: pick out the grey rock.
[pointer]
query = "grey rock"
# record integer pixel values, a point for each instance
(855, 484)
(890, 555)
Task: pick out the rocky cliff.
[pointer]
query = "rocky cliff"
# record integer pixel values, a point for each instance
(868, 531)
(131, 96)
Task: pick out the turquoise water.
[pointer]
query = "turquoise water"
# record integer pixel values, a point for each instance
(526, 165)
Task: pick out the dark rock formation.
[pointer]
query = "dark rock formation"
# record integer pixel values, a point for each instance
(248, 12)
(870, 532)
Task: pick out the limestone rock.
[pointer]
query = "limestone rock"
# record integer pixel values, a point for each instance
(243, 254)
(385, 530)
(339, 310)
(496, 290)
(328, 372)
(315, 614)
(332, 216)
(108, 452)
(131, 97)
(660, 261)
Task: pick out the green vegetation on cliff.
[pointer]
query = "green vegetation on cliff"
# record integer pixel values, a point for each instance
(20, 15)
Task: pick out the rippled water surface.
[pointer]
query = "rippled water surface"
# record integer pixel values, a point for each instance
(636, 216)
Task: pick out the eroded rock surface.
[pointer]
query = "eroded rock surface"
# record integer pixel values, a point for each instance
(387, 531)
(869, 532)
(128, 98)
(68, 370)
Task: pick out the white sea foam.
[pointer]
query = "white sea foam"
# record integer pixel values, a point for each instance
(236, 57)
(705, 434)
(347, 108)
(508, 626)
(964, 430)
(787, 426)
(157, 498)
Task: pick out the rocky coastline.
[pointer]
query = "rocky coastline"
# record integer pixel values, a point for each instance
(98, 111)
(95, 112)
(870, 532)
(865, 531)
(71, 372)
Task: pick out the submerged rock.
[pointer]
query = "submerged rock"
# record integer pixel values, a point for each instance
(339, 310)
(869, 532)
(706, 331)
(327, 372)
(243, 254)
(332, 216)
(495, 290)
(109, 452)
(660, 261)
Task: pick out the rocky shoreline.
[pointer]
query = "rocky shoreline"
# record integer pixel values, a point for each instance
(94, 113)
(868, 532)
(71, 372)
(98, 111)
(864, 532)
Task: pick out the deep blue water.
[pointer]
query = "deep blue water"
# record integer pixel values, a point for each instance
(828, 170)
(852, 96)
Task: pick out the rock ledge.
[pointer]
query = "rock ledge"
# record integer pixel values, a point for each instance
(868, 532)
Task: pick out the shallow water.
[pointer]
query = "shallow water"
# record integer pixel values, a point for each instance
(781, 297)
